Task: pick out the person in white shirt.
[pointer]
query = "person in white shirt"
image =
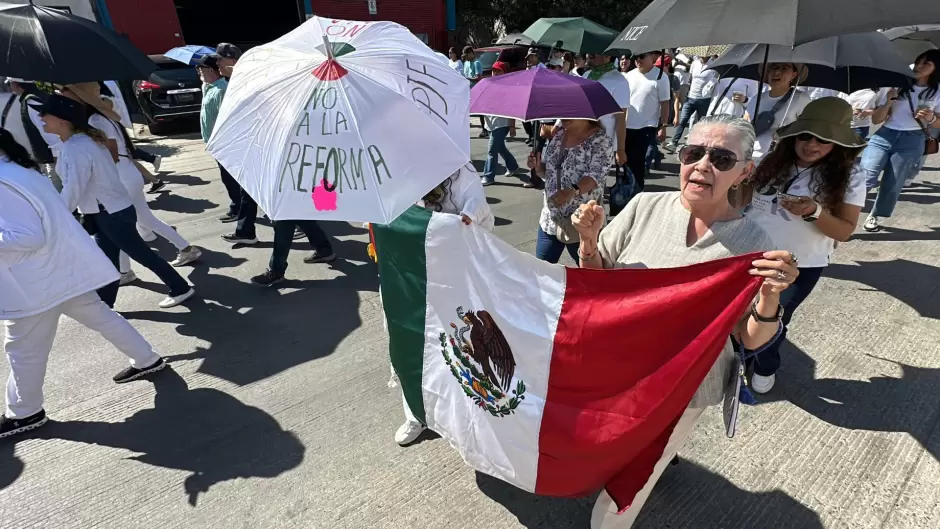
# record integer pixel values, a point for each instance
(49, 267)
(863, 104)
(91, 185)
(23, 122)
(648, 114)
(603, 71)
(807, 196)
(453, 60)
(780, 104)
(908, 115)
(735, 98)
(699, 99)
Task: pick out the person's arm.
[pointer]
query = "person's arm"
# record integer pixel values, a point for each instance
(880, 114)
(75, 172)
(620, 123)
(752, 333)
(211, 109)
(677, 110)
(663, 87)
(20, 225)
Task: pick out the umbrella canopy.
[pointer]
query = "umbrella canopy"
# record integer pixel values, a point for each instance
(518, 39)
(46, 44)
(577, 34)
(539, 93)
(846, 63)
(188, 54)
(911, 41)
(673, 23)
(705, 51)
(342, 120)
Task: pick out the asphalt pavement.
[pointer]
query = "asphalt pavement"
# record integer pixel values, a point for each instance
(276, 413)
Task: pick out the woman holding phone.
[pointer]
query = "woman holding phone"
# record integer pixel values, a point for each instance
(807, 196)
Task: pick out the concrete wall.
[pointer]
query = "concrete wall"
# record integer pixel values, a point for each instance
(81, 8)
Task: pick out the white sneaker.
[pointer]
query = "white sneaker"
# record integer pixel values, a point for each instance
(171, 301)
(127, 278)
(872, 224)
(156, 163)
(186, 257)
(761, 384)
(408, 433)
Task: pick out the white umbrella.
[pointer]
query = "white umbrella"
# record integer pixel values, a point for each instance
(342, 120)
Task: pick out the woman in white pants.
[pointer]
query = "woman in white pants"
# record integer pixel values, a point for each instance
(49, 267)
(103, 118)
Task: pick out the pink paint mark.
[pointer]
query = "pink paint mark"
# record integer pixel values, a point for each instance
(324, 197)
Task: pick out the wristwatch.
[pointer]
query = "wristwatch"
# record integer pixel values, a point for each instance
(576, 188)
(814, 216)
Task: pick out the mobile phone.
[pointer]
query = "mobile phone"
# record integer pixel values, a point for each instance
(788, 197)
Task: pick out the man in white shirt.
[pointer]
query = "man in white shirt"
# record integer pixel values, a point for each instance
(648, 114)
(700, 97)
(603, 71)
(735, 98)
(863, 106)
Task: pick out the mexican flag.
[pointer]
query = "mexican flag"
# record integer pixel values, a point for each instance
(560, 381)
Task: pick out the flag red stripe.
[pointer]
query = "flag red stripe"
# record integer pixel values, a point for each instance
(630, 350)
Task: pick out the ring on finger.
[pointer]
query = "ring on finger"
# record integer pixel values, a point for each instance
(794, 259)
(781, 275)
(577, 214)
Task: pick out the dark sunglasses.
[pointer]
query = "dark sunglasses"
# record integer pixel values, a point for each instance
(806, 136)
(722, 159)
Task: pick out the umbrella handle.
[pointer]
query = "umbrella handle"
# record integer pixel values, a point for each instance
(761, 85)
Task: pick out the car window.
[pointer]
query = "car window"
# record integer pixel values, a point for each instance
(172, 73)
(487, 58)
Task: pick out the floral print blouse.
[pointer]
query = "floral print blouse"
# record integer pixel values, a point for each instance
(592, 157)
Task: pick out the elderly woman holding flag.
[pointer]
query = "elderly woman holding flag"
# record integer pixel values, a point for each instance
(702, 222)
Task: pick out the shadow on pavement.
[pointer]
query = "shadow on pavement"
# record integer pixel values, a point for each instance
(913, 283)
(182, 179)
(204, 431)
(11, 467)
(180, 204)
(687, 496)
(899, 234)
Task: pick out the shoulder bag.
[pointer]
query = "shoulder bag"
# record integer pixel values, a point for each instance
(765, 120)
(931, 145)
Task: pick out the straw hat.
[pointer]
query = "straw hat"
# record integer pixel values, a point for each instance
(827, 118)
(90, 93)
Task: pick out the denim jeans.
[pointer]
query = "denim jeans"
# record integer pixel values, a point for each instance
(495, 149)
(691, 106)
(117, 232)
(284, 236)
(896, 152)
(232, 189)
(862, 131)
(768, 361)
(638, 143)
(549, 248)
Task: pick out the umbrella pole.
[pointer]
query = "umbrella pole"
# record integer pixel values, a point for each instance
(723, 94)
(760, 88)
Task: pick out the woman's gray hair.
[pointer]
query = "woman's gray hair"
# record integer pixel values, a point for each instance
(742, 128)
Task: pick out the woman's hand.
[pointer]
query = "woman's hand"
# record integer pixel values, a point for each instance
(779, 270)
(801, 207)
(534, 160)
(563, 197)
(925, 115)
(588, 220)
(892, 95)
(739, 98)
(466, 220)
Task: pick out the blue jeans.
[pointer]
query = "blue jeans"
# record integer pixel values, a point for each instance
(495, 149)
(896, 152)
(117, 232)
(863, 131)
(284, 237)
(549, 248)
(691, 106)
(768, 361)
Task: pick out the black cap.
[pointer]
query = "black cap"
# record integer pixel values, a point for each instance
(64, 108)
(228, 51)
(209, 61)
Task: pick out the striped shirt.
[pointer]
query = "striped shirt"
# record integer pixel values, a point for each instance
(212, 94)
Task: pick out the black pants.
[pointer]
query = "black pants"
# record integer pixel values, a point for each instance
(284, 236)
(117, 232)
(638, 142)
(140, 154)
(233, 190)
(768, 362)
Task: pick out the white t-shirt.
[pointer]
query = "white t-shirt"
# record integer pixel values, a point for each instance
(119, 105)
(616, 83)
(786, 115)
(791, 232)
(703, 81)
(863, 100)
(647, 93)
(457, 65)
(819, 93)
(725, 105)
(109, 129)
(901, 117)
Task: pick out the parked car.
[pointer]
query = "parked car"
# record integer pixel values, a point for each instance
(172, 92)
(512, 54)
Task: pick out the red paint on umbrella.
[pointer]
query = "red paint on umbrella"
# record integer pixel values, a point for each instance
(329, 70)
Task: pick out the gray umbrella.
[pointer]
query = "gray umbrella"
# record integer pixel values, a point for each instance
(911, 41)
(674, 23)
(846, 63)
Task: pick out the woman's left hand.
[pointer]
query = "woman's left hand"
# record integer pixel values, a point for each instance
(803, 206)
(779, 270)
(925, 115)
(562, 197)
(466, 220)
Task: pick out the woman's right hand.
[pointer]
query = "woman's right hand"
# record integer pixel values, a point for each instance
(533, 161)
(588, 220)
(892, 94)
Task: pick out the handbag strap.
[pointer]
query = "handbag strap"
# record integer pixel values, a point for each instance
(910, 103)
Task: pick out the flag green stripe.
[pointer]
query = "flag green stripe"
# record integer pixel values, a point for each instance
(400, 250)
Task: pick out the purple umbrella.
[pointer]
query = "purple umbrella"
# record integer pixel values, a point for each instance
(541, 94)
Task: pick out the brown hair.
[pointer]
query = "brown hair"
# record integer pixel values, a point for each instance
(835, 171)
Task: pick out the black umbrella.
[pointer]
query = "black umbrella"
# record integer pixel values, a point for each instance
(846, 63)
(673, 23)
(44, 44)
(914, 40)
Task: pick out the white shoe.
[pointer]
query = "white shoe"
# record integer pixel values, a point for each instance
(150, 237)
(872, 224)
(186, 257)
(127, 278)
(408, 433)
(171, 301)
(156, 163)
(761, 384)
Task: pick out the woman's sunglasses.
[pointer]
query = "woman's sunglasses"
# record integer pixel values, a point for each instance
(722, 159)
(806, 136)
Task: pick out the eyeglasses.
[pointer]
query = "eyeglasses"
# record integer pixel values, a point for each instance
(723, 159)
(806, 136)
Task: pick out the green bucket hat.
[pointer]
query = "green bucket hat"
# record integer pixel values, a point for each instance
(827, 118)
